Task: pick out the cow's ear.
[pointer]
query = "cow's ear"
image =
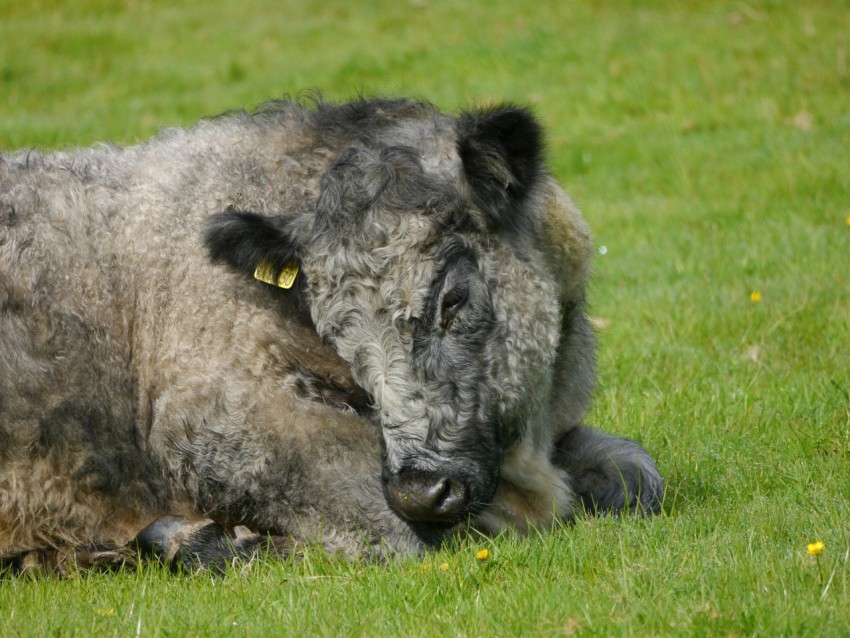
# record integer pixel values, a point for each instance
(266, 247)
(502, 153)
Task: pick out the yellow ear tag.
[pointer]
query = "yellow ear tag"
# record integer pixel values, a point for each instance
(266, 273)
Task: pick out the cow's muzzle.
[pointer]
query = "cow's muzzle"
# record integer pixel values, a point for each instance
(426, 497)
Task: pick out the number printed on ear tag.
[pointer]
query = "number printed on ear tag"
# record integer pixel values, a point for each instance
(266, 273)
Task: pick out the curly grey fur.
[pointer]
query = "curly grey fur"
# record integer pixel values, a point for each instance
(437, 324)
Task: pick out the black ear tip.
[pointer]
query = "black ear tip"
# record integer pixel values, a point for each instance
(509, 131)
(501, 149)
(226, 235)
(522, 136)
(216, 235)
(508, 122)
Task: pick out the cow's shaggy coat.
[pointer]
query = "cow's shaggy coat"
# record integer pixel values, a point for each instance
(429, 368)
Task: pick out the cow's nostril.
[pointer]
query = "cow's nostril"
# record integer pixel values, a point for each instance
(425, 496)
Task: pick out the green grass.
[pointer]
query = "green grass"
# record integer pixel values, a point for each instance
(708, 144)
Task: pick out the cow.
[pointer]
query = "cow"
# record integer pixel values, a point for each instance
(358, 324)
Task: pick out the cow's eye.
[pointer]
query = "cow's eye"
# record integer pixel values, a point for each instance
(453, 301)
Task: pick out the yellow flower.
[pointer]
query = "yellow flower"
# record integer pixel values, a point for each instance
(443, 566)
(104, 612)
(755, 296)
(484, 554)
(814, 549)
(848, 220)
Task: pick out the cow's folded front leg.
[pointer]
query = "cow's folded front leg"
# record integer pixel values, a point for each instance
(288, 466)
(65, 561)
(191, 545)
(609, 473)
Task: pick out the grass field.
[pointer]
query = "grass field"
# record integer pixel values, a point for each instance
(708, 144)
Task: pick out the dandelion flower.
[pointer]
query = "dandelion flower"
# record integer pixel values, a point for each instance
(484, 554)
(755, 296)
(443, 566)
(814, 549)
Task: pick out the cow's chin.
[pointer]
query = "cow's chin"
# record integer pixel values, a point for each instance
(433, 534)
(532, 493)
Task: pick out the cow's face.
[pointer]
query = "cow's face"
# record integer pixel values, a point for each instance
(427, 283)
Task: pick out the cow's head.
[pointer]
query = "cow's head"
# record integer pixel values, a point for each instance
(425, 275)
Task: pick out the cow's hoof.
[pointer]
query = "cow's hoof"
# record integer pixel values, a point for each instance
(193, 546)
(610, 474)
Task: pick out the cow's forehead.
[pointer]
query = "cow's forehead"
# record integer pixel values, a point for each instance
(396, 260)
(391, 251)
(435, 140)
(406, 218)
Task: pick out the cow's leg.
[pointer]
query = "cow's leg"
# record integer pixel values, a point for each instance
(609, 473)
(286, 467)
(181, 543)
(72, 470)
(68, 479)
(190, 545)
(65, 561)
